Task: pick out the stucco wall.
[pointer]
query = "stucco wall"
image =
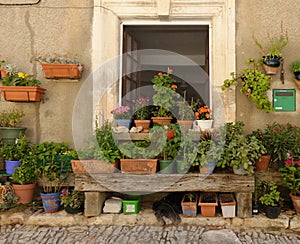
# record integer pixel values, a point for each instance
(51, 27)
(258, 18)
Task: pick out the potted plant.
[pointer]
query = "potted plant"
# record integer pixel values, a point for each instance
(295, 68)
(51, 174)
(24, 179)
(101, 155)
(208, 202)
(72, 200)
(9, 119)
(207, 156)
(262, 164)
(56, 67)
(270, 199)
(203, 118)
(14, 153)
(8, 197)
(21, 87)
(6, 69)
(228, 204)
(290, 174)
(189, 204)
(165, 97)
(186, 116)
(122, 116)
(272, 52)
(253, 83)
(142, 113)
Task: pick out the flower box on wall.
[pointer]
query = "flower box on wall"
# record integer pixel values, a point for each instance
(62, 71)
(138, 166)
(22, 93)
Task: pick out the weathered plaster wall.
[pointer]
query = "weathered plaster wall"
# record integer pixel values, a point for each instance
(258, 18)
(51, 27)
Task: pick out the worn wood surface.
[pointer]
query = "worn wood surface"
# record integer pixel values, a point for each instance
(164, 182)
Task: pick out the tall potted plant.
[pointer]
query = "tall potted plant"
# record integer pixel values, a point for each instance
(9, 120)
(270, 199)
(186, 116)
(165, 97)
(51, 173)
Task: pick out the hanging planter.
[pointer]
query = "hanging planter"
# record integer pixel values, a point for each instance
(62, 71)
(22, 93)
(21, 87)
(271, 64)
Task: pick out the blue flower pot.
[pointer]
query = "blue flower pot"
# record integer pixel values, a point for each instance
(272, 61)
(51, 201)
(123, 122)
(10, 166)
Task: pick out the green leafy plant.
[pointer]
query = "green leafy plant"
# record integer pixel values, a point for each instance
(101, 146)
(72, 198)
(11, 117)
(141, 108)
(165, 96)
(57, 59)
(271, 195)
(20, 79)
(16, 151)
(253, 83)
(291, 177)
(8, 197)
(50, 170)
(208, 151)
(26, 173)
(295, 67)
(185, 111)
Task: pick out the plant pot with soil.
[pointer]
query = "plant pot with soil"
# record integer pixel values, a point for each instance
(189, 205)
(208, 203)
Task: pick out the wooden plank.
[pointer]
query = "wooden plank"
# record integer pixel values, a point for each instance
(164, 183)
(244, 204)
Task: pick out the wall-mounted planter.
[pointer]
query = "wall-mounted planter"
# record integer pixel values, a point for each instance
(62, 71)
(22, 93)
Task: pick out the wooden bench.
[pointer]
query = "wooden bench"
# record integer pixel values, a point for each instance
(97, 186)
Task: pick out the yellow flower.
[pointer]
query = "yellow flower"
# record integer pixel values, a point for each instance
(21, 75)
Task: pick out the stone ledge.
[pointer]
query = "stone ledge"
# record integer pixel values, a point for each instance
(286, 221)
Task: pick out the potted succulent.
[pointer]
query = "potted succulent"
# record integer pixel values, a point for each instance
(72, 200)
(290, 174)
(13, 154)
(142, 113)
(270, 199)
(101, 155)
(253, 83)
(9, 119)
(122, 116)
(6, 69)
(272, 52)
(165, 97)
(21, 87)
(56, 67)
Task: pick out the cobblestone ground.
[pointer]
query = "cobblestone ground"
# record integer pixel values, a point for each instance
(130, 234)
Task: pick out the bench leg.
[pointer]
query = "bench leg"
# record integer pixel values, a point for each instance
(93, 203)
(244, 205)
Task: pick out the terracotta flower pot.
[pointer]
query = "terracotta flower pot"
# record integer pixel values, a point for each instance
(145, 124)
(24, 192)
(296, 202)
(262, 164)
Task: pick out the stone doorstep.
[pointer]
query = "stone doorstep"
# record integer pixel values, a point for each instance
(286, 221)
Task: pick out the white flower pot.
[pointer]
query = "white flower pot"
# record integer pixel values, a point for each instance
(202, 124)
